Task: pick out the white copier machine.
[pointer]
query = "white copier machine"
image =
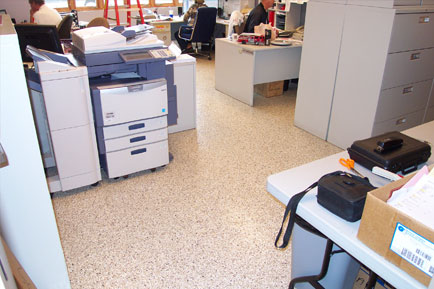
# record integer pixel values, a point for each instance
(125, 93)
(133, 96)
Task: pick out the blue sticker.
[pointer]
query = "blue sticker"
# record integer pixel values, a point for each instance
(163, 110)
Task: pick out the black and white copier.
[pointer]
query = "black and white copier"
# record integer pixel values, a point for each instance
(133, 96)
(108, 104)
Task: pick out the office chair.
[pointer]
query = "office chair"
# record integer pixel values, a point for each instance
(202, 31)
(99, 21)
(64, 27)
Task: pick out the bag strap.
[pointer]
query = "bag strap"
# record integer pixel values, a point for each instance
(291, 208)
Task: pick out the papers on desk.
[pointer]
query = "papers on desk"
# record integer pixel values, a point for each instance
(416, 198)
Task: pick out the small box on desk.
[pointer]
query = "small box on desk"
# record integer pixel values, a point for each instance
(381, 224)
(270, 89)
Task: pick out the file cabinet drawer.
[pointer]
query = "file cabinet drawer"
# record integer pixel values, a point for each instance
(399, 123)
(408, 67)
(382, 4)
(431, 98)
(128, 161)
(429, 114)
(412, 31)
(402, 100)
(134, 127)
(134, 140)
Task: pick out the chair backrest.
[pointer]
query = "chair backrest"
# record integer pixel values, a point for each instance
(64, 27)
(99, 21)
(204, 24)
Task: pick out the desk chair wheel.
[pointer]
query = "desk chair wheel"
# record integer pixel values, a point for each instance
(153, 170)
(95, 184)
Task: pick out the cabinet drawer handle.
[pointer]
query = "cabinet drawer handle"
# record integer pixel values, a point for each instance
(415, 56)
(139, 151)
(401, 121)
(136, 126)
(407, 90)
(424, 19)
(136, 139)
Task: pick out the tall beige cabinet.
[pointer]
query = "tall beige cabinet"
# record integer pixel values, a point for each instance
(367, 67)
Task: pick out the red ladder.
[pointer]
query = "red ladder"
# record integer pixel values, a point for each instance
(128, 9)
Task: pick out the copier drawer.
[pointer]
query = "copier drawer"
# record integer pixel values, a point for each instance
(128, 161)
(408, 67)
(134, 140)
(399, 123)
(402, 100)
(134, 127)
(412, 31)
(115, 104)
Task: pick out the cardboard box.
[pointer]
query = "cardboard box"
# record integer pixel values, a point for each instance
(270, 89)
(377, 229)
(362, 279)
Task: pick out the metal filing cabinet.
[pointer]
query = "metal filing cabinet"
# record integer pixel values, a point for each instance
(131, 120)
(381, 70)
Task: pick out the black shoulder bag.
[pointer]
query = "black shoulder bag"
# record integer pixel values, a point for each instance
(341, 193)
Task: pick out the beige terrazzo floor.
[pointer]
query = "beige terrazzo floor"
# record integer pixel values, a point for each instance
(203, 221)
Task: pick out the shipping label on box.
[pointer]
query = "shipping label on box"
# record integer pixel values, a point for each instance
(414, 248)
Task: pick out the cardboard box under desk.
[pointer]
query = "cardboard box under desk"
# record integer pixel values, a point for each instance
(270, 89)
(378, 224)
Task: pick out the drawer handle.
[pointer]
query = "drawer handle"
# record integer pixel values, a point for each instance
(135, 88)
(136, 126)
(139, 151)
(401, 121)
(415, 56)
(424, 19)
(136, 139)
(407, 90)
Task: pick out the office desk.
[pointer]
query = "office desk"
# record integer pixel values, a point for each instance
(221, 28)
(164, 29)
(285, 184)
(238, 67)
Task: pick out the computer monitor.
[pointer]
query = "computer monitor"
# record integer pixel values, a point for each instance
(39, 36)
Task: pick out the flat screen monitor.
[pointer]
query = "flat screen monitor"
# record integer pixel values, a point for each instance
(39, 36)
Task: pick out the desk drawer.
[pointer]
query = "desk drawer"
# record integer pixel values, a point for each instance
(399, 123)
(408, 67)
(160, 27)
(402, 100)
(412, 31)
(134, 140)
(134, 127)
(128, 161)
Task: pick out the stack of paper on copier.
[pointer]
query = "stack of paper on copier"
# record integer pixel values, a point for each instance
(93, 38)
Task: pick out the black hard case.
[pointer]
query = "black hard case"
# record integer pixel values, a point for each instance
(405, 159)
(344, 195)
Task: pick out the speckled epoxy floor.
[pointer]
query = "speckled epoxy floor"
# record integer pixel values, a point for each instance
(206, 219)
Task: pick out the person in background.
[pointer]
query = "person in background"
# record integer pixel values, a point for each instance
(258, 15)
(189, 17)
(192, 11)
(42, 14)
